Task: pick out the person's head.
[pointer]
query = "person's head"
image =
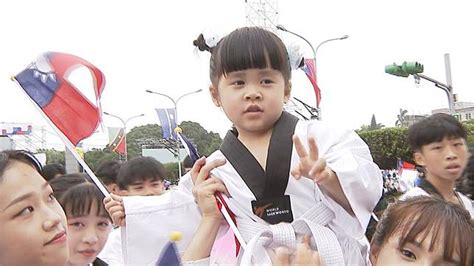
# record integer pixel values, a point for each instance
(107, 171)
(53, 170)
(187, 164)
(141, 176)
(439, 145)
(250, 75)
(424, 231)
(466, 186)
(88, 222)
(33, 226)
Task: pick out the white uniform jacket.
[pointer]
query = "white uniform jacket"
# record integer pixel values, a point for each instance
(337, 235)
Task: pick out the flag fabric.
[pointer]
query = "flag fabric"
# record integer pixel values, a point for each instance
(45, 81)
(117, 140)
(169, 256)
(189, 147)
(309, 69)
(167, 119)
(405, 165)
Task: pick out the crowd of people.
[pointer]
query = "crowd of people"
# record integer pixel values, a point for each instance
(294, 192)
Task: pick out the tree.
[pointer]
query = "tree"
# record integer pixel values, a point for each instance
(373, 125)
(95, 156)
(53, 156)
(401, 118)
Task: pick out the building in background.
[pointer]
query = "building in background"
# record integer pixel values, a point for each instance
(464, 111)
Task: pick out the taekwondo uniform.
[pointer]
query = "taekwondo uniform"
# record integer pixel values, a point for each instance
(304, 208)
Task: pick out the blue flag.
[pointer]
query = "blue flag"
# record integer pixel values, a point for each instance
(169, 256)
(168, 122)
(190, 149)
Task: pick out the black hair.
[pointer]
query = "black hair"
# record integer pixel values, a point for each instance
(140, 169)
(51, 170)
(62, 183)
(9, 156)
(245, 48)
(187, 162)
(433, 129)
(76, 194)
(108, 170)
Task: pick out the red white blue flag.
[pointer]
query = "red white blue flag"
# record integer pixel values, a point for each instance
(309, 69)
(46, 82)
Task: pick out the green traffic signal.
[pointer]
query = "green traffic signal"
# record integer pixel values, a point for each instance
(406, 69)
(396, 70)
(412, 67)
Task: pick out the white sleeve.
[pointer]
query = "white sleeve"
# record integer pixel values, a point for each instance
(349, 157)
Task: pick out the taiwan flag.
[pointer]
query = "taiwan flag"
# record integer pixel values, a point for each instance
(309, 69)
(45, 81)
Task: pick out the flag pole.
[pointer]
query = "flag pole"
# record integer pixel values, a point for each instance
(67, 143)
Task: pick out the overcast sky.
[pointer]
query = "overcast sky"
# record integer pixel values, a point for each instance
(142, 45)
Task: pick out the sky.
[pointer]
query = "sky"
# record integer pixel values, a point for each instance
(147, 45)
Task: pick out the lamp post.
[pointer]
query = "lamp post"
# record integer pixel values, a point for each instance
(175, 103)
(124, 123)
(280, 27)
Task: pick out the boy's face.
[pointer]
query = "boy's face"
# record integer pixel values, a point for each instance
(252, 99)
(147, 187)
(32, 223)
(87, 236)
(445, 160)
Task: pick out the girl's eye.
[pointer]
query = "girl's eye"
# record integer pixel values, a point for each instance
(104, 224)
(267, 81)
(76, 224)
(436, 147)
(238, 83)
(25, 211)
(408, 254)
(458, 144)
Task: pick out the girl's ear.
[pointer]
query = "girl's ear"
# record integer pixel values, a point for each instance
(374, 251)
(215, 95)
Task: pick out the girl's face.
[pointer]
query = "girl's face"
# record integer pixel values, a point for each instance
(413, 253)
(252, 99)
(87, 236)
(32, 223)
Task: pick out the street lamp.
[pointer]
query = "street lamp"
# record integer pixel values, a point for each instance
(175, 103)
(280, 27)
(124, 123)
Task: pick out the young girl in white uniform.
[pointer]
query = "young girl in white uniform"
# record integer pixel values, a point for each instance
(286, 178)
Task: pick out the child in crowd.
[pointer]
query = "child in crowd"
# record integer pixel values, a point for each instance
(107, 171)
(423, 231)
(141, 176)
(89, 224)
(439, 146)
(33, 226)
(263, 158)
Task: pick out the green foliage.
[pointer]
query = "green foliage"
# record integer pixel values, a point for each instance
(206, 142)
(150, 132)
(95, 156)
(386, 145)
(53, 156)
(401, 117)
(172, 172)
